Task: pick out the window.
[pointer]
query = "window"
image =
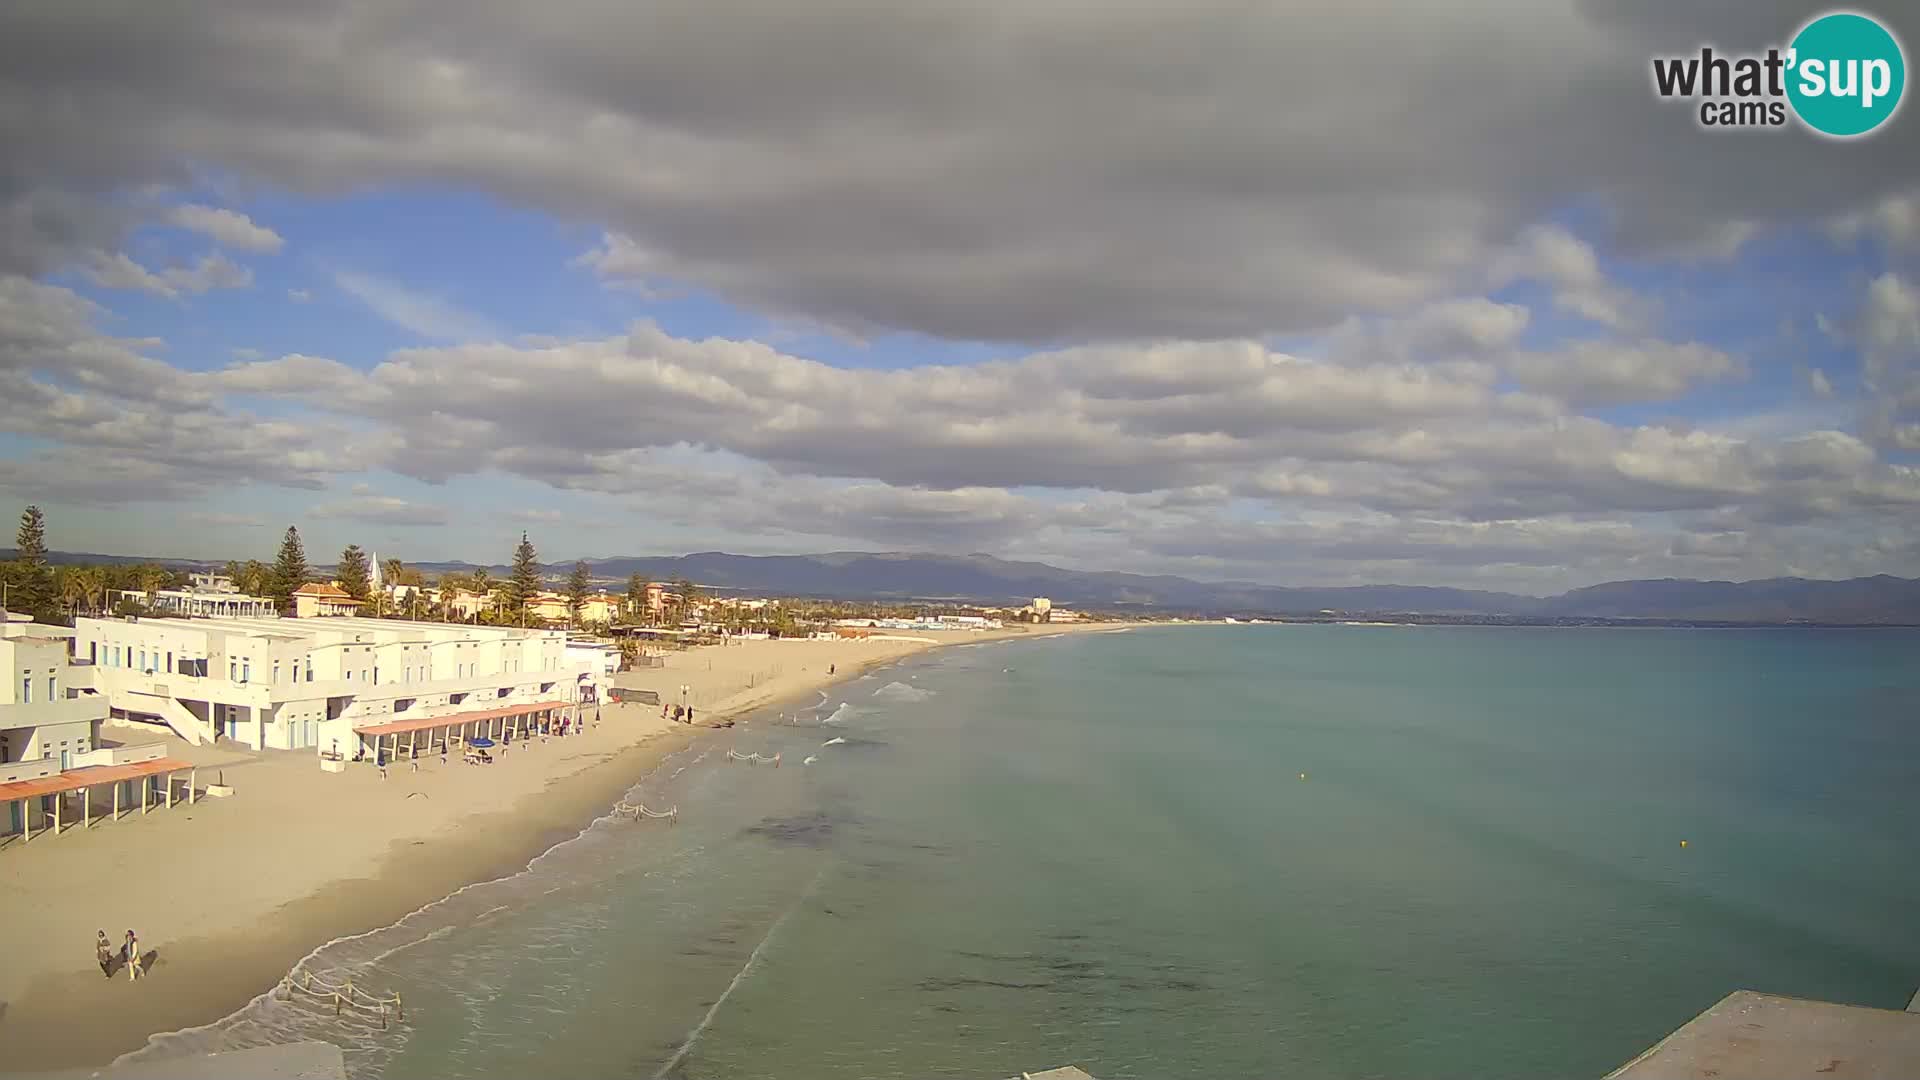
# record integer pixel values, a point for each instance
(246, 669)
(53, 692)
(93, 652)
(143, 659)
(376, 673)
(26, 690)
(233, 669)
(169, 661)
(309, 669)
(349, 674)
(276, 673)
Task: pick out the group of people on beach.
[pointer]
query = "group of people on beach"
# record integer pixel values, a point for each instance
(681, 714)
(128, 956)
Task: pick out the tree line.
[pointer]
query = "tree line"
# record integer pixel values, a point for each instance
(57, 594)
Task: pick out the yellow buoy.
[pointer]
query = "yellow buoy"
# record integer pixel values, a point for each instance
(1303, 776)
(1683, 843)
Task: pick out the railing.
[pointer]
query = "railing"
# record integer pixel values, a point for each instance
(637, 811)
(343, 995)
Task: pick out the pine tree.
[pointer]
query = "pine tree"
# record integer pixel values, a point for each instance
(33, 590)
(354, 574)
(289, 568)
(525, 581)
(577, 584)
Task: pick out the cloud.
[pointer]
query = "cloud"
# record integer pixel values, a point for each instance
(215, 271)
(299, 296)
(1606, 373)
(221, 520)
(1553, 255)
(382, 510)
(417, 313)
(227, 228)
(1893, 220)
(998, 171)
(536, 517)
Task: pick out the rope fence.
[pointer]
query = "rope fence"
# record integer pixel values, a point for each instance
(754, 759)
(637, 811)
(343, 996)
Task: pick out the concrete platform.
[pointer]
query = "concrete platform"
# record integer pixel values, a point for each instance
(290, 1061)
(1760, 1035)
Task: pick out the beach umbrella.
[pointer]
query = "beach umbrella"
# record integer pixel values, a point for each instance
(481, 741)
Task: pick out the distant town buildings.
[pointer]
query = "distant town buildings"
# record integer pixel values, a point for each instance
(210, 594)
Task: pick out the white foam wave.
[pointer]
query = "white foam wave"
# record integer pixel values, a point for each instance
(899, 691)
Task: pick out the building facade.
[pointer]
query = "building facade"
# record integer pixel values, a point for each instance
(288, 684)
(315, 600)
(48, 709)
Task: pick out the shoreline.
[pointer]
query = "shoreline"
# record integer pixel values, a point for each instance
(72, 1017)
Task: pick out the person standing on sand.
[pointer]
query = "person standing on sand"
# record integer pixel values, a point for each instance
(133, 957)
(689, 714)
(103, 951)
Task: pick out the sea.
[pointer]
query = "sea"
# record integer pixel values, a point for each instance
(1223, 852)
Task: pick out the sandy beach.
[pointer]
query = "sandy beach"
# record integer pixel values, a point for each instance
(231, 893)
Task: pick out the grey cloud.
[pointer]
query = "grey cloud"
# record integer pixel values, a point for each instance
(994, 171)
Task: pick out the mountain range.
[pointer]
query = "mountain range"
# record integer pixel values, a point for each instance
(986, 579)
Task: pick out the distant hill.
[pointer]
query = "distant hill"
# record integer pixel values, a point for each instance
(857, 575)
(902, 576)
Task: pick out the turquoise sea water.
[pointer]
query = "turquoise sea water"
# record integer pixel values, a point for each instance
(1100, 850)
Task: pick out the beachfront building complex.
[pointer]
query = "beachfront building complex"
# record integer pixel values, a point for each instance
(299, 684)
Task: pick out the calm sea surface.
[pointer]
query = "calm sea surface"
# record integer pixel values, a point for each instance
(1101, 850)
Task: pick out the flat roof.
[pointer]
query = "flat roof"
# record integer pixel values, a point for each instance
(1782, 1038)
(91, 776)
(401, 727)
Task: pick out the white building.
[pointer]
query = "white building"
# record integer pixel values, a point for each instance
(289, 684)
(211, 594)
(48, 709)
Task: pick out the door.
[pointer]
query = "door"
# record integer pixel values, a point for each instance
(63, 760)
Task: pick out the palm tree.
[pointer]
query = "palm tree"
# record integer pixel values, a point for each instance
(68, 583)
(93, 584)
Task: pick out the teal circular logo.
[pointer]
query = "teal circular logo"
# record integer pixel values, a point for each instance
(1846, 75)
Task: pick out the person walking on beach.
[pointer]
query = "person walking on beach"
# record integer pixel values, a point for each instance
(689, 714)
(103, 951)
(133, 956)
(380, 759)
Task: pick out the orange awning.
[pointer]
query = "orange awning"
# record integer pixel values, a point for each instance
(401, 727)
(91, 776)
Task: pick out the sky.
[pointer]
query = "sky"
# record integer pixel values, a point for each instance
(1296, 293)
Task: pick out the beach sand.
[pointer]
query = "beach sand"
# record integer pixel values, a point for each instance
(231, 893)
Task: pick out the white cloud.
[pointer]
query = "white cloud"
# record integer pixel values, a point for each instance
(213, 271)
(1894, 220)
(227, 228)
(1551, 254)
(415, 312)
(299, 296)
(381, 510)
(1606, 373)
